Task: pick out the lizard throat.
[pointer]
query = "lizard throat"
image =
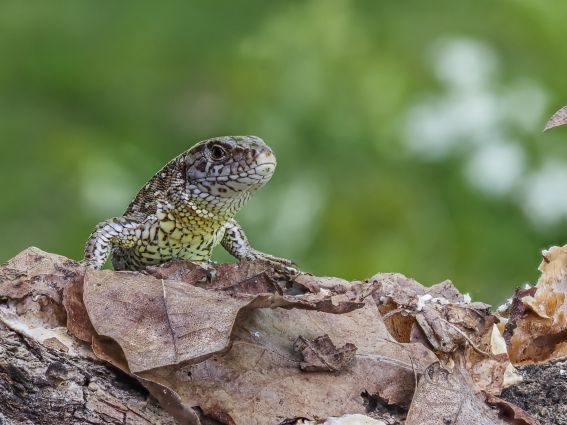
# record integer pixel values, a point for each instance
(214, 207)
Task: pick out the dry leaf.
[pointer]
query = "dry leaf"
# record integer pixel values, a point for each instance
(316, 283)
(537, 327)
(34, 272)
(441, 318)
(36, 282)
(559, 118)
(184, 271)
(163, 322)
(322, 355)
(400, 298)
(259, 380)
(78, 323)
(156, 322)
(510, 411)
(445, 397)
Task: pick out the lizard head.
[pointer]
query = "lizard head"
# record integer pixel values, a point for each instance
(230, 167)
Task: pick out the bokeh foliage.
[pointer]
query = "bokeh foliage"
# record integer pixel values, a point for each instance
(96, 96)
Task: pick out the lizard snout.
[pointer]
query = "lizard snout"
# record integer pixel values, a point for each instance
(266, 162)
(266, 169)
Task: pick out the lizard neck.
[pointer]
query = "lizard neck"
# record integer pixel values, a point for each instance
(213, 207)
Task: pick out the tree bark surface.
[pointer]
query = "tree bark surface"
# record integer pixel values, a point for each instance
(40, 385)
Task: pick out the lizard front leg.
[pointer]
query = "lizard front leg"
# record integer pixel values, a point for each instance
(119, 231)
(236, 243)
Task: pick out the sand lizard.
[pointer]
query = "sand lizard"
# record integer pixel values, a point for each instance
(188, 208)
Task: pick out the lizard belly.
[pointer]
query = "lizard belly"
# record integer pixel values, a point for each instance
(168, 239)
(177, 240)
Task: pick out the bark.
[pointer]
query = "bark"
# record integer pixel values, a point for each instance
(39, 385)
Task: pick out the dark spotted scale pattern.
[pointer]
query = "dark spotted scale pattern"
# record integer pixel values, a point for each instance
(188, 208)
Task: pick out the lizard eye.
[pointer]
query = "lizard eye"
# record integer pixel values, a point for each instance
(217, 153)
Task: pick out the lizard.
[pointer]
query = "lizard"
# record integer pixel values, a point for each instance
(188, 207)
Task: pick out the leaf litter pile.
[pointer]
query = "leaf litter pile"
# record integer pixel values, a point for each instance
(241, 344)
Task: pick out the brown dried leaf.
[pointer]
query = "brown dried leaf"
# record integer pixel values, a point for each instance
(151, 332)
(440, 318)
(559, 118)
(183, 271)
(537, 328)
(316, 283)
(46, 289)
(404, 291)
(439, 332)
(250, 277)
(398, 296)
(163, 322)
(259, 380)
(513, 413)
(321, 355)
(78, 323)
(108, 350)
(170, 401)
(446, 397)
(34, 272)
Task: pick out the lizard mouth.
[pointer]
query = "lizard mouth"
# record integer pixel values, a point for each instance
(265, 169)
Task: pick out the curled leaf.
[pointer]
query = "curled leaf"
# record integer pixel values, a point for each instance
(559, 118)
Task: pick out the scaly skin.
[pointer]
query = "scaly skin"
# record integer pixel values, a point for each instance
(187, 208)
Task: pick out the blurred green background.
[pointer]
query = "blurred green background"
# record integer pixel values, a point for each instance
(408, 134)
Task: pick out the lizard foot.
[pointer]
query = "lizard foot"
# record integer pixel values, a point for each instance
(283, 265)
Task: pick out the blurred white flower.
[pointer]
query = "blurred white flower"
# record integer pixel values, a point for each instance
(464, 64)
(478, 119)
(496, 168)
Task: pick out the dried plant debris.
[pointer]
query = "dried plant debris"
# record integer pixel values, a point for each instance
(511, 411)
(445, 396)
(240, 343)
(445, 320)
(33, 285)
(260, 380)
(161, 322)
(35, 280)
(559, 118)
(322, 355)
(78, 322)
(36, 273)
(537, 326)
